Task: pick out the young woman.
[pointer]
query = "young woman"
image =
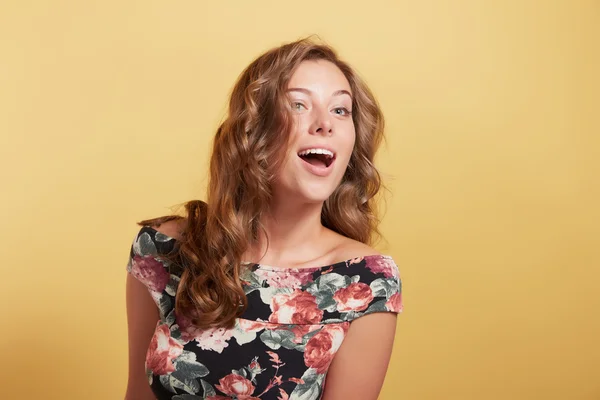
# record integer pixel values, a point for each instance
(269, 289)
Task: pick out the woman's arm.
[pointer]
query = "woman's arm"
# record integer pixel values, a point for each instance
(358, 369)
(142, 316)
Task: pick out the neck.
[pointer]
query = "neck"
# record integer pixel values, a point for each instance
(294, 231)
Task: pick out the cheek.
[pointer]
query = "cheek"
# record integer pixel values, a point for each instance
(301, 124)
(349, 143)
(297, 128)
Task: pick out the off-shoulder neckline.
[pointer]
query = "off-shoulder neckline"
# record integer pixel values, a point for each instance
(335, 265)
(255, 266)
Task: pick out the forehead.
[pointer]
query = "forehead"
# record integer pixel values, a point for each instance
(319, 74)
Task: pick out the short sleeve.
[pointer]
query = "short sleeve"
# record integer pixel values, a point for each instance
(144, 262)
(373, 285)
(386, 285)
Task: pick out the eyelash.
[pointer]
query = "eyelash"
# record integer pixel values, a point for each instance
(348, 112)
(295, 103)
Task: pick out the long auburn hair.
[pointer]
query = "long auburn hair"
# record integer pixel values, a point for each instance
(245, 158)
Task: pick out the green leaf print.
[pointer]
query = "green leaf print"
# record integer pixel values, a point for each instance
(311, 388)
(250, 277)
(171, 288)
(161, 237)
(240, 372)
(383, 287)
(207, 388)
(326, 302)
(165, 306)
(170, 320)
(279, 338)
(376, 307)
(144, 245)
(166, 382)
(332, 321)
(175, 332)
(324, 287)
(331, 281)
(273, 339)
(187, 397)
(307, 337)
(350, 315)
(189, 385)
(187, 367)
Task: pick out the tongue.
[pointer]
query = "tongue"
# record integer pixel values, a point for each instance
(315, 160)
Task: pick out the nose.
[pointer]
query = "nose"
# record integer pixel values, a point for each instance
(322, 124)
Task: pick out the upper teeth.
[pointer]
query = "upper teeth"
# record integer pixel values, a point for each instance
(316, 151)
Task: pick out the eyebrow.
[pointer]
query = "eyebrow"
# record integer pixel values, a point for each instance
(308, 92)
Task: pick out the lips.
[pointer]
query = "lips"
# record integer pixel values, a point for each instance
(318, 170)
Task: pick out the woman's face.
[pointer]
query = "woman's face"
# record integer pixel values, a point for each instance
(321, 103)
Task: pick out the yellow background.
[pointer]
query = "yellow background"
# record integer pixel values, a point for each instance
(107, 110)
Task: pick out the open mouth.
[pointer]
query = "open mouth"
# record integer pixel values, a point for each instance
(318, 160)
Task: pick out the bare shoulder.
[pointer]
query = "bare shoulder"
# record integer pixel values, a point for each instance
(349, 248)
(172, 228)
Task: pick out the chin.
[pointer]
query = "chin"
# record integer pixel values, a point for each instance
(307, 190)
(316, 200)
(315, 195)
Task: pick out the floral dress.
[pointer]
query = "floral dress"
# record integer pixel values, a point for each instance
(282, 345)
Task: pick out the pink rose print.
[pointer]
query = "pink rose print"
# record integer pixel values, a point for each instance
(150, 272)
(218, 397)
(328, 270)
(355, 260)
(394, 303)
(297, 307)
(274, 357)
(214, 339)
(282, 395)
(236, 385)
(254, 365)
(301, 330)
(277, 380)
(383, 265)
(355, 297)
(321, 348)
(282, 279)
(252, 326)
(163, 349)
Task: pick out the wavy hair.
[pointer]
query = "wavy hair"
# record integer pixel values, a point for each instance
(246, 155)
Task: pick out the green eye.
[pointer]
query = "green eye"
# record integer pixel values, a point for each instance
(297, 105)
